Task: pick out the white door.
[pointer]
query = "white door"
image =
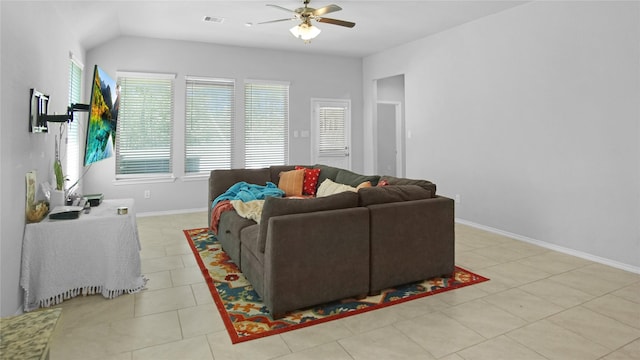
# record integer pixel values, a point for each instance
(331, 142)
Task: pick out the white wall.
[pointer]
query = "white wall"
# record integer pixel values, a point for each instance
(531, 115)
(35, 46)
(309, 75)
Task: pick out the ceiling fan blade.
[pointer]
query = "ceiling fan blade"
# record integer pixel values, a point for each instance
(281, 8)
(348, 24)
(325, 10)
(274, 21)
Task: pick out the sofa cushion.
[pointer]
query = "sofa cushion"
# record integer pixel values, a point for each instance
(425, 184)
(230, 226)
(329, 187)
(327, 172)
(391, 193)
(353, 179)
(310, 183)
(291, 182)
(284, 206)
(221, 180)
(249, 238)
(275, 170)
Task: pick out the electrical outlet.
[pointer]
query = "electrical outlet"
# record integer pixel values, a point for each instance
(458, 201)
(147, 194)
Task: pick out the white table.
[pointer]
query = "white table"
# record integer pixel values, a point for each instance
(97, 253)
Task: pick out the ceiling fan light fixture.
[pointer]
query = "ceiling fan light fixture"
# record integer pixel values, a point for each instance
(305, 31)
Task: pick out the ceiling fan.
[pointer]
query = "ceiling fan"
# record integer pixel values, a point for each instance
(306, 30)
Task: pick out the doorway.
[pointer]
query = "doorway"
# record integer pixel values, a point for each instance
(390, 139)
(389, 126)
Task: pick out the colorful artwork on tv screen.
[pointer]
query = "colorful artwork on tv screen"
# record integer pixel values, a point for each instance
(103, 116)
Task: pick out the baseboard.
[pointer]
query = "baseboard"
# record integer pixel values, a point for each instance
(170, 212)
(568, 251)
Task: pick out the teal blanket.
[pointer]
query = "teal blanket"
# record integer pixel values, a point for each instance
(247, 192)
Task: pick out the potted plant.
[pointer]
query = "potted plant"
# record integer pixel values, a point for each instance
(58, 196)
(57, 170)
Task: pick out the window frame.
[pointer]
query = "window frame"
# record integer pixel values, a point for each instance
(232, 118)
(135, 178)
(247, 122)
(72, 167)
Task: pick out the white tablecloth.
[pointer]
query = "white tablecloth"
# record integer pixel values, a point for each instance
(97, 253)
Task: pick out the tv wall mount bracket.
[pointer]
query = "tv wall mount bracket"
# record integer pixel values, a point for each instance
(38, 112)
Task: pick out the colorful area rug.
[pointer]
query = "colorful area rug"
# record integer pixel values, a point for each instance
(246, 318)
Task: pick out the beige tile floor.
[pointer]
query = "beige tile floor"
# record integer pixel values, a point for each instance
(539, 304)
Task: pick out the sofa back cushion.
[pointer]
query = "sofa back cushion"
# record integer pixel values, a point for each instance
(326, 172)
(392, 193)
(283, 206)
(353, 179)
(425, 184)
(222, 180)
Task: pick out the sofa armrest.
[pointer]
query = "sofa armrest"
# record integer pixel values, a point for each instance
(411, 241)
(316, 257)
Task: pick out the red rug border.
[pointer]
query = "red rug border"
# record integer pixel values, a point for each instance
(235, 339)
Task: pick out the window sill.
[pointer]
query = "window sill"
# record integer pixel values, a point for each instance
(195, 177)
(144, 180)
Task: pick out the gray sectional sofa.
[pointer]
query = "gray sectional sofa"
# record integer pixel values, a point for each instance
(310, 251)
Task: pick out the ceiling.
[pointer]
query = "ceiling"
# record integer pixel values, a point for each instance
(379, 24)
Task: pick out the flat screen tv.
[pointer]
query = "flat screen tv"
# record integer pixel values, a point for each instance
(103, 116)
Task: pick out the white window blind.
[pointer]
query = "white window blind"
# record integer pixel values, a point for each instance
(210, 112)
(145, 125)
(332, 131)
(266, 124)
(72, 165)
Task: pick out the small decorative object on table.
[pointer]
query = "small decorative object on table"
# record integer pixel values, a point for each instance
(34, 211)
(94, 199)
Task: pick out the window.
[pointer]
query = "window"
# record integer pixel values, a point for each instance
(210, 112)
(332, 130)
(72, 165)
(266, 124)
(145, 126)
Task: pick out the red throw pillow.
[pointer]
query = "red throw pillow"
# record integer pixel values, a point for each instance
(310, 180)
